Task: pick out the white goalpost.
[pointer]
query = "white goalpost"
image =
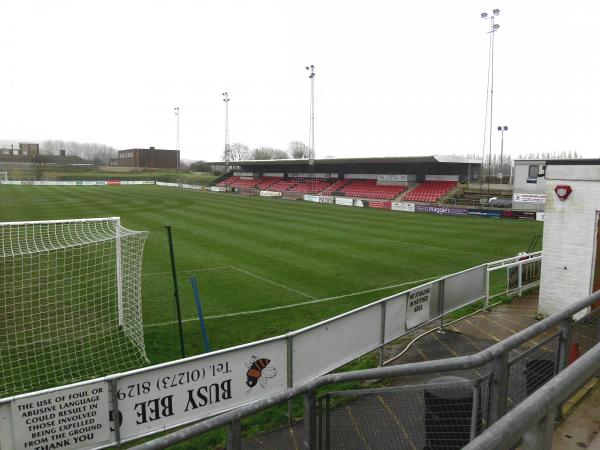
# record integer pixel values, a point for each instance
(70, 302)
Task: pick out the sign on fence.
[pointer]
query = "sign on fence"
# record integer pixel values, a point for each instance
(401, 206)
(344, 201)
(174, 394)
(417, 306)
(69, 418)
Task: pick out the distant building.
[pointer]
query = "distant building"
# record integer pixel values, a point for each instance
(30, 154)
(152, 158)
(529, 184)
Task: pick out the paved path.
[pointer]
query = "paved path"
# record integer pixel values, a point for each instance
(465, 337)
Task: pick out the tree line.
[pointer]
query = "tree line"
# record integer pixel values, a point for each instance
(495, 166)
(97, 154)
(239, 152)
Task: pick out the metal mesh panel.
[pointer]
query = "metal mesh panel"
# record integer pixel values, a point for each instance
(437, 415)
(585, 334)
(532, 369)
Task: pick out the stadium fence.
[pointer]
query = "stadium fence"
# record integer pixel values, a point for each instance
(158, 398)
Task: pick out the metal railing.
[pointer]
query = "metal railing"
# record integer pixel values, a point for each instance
(497, 356)
(299, 356)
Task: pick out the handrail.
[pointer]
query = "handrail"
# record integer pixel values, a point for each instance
(448, 364)
(508, 430)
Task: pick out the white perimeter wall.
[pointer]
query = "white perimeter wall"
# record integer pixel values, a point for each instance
(569, 236)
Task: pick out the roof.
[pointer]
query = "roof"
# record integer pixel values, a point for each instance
(151, 148)
(573, 162)
(381, 160)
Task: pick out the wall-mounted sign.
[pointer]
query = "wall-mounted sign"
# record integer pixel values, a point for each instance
(524, 197)
(417, 306)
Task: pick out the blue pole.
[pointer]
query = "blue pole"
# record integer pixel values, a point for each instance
(200, 314)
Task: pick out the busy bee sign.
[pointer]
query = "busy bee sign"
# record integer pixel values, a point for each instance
(194, 388)
(417, 306)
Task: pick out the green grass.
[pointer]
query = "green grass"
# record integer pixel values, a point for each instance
(252, 253)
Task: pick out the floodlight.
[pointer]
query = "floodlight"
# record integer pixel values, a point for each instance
(496, 12)
(496, 26)
(484, 15)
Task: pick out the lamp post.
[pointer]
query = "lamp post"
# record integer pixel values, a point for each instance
(490, 91)
(227, 153)
(177, 141)
(311, 132)
(502, 129)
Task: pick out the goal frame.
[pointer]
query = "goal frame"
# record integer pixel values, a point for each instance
(119, 264)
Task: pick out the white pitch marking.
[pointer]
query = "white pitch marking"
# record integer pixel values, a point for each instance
(276, 308)
(304, 294)
(187, 271)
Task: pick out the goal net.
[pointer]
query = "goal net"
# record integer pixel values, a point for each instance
(70, 302)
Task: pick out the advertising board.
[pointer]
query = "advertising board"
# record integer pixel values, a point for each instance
(442, 210)
(344, 201)
(311, 198)
(526, 215)
(173, 394)
(379, 204)
(401, 206)
(496, 214)
(270, 194)
(398, 178)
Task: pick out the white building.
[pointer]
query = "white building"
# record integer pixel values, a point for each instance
(528, 184)
(571, 263)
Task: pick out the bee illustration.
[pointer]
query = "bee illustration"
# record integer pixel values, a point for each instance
(258, 372)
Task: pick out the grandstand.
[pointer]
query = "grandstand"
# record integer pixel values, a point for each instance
(415, 179)
(430, 191)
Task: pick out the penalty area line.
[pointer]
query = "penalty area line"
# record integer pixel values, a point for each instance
(294, 305)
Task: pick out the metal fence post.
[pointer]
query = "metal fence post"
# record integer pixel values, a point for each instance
(566, 330)
(115, 412)
(441, 304)
(234, 435)
(540, 436)
(382, 334)
(486, 281)
(310, 420)
(290, 376)
(475, 411)
(520, 266)
(499, 387)
(564, 350)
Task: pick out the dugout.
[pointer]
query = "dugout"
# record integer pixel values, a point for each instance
(417, 168)
(571, 264)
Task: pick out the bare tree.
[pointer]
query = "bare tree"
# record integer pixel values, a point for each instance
(237, 152)
(269, 153)
(298, 150)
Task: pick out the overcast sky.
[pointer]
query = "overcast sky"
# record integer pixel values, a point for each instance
(393, 78)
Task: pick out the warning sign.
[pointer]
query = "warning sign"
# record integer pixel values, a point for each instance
(417, 306)
(65, 419)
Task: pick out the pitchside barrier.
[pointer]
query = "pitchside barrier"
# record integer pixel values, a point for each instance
(345, 201)
(161, 397)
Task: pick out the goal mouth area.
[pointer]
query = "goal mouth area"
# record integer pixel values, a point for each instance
(70, 302)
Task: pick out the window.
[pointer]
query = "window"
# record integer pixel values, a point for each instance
(533, 171)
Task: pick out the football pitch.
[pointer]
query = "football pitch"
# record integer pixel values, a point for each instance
(267, 266)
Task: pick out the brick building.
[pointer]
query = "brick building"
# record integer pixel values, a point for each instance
(147, 157)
